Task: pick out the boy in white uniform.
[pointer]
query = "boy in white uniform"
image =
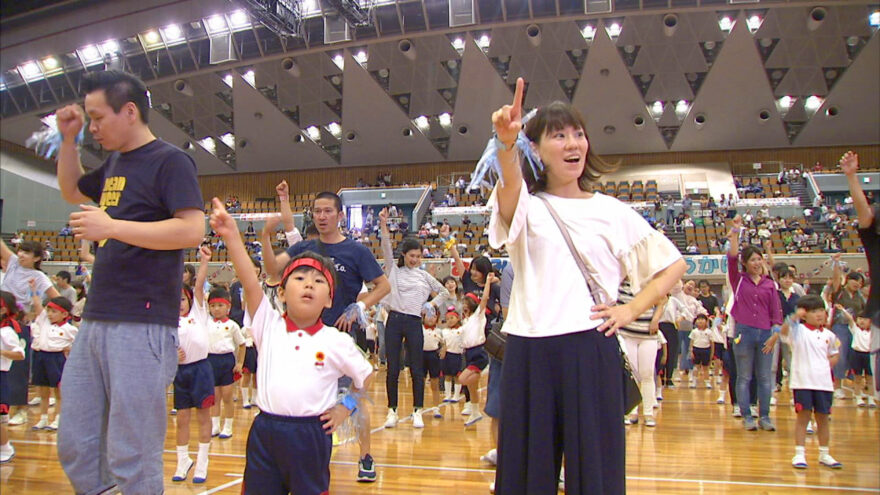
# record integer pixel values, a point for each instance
(860, 357)
(52, 336)
(226, 355)
(289, 445)
(814, 351)
(10, 350)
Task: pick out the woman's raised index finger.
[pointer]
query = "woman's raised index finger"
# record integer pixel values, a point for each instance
(518, 95)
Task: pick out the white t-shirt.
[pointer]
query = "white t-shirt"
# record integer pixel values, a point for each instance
(192, 334)
(17, 280)
(224, 336)
(473, 330)
(298, 369)
(48, 337)
(861, 340)
(452, 337)
(674, 310)
(9, 341)
(701, 339)
(549, 295)
(717, 332)
(433, 338)
(810, 350)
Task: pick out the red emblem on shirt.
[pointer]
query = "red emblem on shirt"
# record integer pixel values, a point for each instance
(319, 359)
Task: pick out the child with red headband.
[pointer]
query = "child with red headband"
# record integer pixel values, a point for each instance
(10, 350)
(194, 382)
(226, 355)
(300, 362)
(473, 338)
(452, 362)
(52, 336)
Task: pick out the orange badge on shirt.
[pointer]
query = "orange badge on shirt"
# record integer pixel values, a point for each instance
(319, 359)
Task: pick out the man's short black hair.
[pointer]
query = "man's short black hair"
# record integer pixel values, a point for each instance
(119, 88)
(337, 201)
(64, 274)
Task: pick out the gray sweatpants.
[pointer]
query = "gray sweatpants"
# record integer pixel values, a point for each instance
(113, 422)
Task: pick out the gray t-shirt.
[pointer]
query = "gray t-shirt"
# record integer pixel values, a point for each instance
(17, 278)
(69, 293)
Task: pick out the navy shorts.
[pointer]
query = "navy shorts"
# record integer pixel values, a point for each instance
(250, 360)
(818, 401)
(287, 455)
(476, 358)
(452, 364)
(860, 362)
(47, 368)
(431, 363)
(701, 356)
(659, 369)
(194, 385)
(222, 364)
(4, 392)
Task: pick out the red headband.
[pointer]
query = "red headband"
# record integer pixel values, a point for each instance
(219, 300)
(312, 263)
(57, 307)
(473, 297)
(9, 320)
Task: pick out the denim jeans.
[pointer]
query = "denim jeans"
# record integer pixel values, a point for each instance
(845, 338)
(114, 419)
(751, 362)
(684, 344)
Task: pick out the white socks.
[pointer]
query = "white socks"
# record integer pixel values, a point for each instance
(182, 453)
(215, 422)
(227, 423)
(245, 396)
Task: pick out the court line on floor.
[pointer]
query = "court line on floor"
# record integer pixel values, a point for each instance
(224, 486)
(485, 471)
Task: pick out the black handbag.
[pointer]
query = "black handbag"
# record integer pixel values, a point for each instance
(632, 396)
(495, 341)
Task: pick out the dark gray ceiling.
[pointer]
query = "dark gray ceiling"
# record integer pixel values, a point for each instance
(731, 81)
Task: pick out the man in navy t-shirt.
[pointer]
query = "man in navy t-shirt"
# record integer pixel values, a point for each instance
(125, 355)
(355, 265)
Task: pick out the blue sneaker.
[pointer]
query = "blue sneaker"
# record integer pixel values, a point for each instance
(366, 470)
(750, 424)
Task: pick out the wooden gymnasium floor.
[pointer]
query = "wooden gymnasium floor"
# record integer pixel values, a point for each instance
(696, 448)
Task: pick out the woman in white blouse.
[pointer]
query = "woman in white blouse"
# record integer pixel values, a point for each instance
(564, 393)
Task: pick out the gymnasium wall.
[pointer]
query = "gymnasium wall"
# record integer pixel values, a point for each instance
(259, 185)
(30, 193)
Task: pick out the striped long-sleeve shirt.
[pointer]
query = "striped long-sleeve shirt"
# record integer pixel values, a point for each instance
(410, 287)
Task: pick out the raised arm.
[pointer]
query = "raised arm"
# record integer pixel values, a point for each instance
(201, 274)
(484, 301)
(225, 225)
(36, 300)
(458, 263)
(836, 273)
(70, 120)
(186, 229)
(849, 163)
(508, 122)
(5, 252)
(283, 191)
(387, 251)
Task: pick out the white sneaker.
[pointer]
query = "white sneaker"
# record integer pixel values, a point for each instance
(492, 487)
(871, 402)
(827, 460)
(201, 472)
(391, 419)
(753, 410)
(811, 427)
(476, 415)
(226, 432)
(43, 424)
(736, 412)
(491, 457)
(709, 384)
(35, 401)
(772, 401)
(418, 422)
(720, 399)
(18, 418)
(183, 466)
(437, 413)
(631, 420)
(861, 402)
(467, 409)
(718, 379)
(6, 455)
(650, 421)
(54, 424)
(693, 383)
(659, 395)
(215, 430)
(839, 394)
(799, 461)
(447, 394)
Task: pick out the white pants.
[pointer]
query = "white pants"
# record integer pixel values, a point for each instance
(642, 354)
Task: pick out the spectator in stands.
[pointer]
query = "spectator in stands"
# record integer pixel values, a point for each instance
(450, 200)
(686, 204)
(711, 203)
(763, 231)
(461, 184)
(392, 211)
(748, 218)
(670, 209)
(404, 226)
(361, 183)
(249, 233)
(723, 202)
(15, 242)
(687, 221)
(465, 220)
(692, 248)
(66, 231)
(387, 178)
(49, 250)
(423, 233)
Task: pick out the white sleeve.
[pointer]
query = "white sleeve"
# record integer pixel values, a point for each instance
(264, 317)
(501, 234)
(37, 329)
(644, 251)
(293, 237)
(350, 360)
(10, 340)
(833, 344)
(237, 334)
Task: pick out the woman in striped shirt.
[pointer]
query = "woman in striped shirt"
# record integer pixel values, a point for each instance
(411, 287)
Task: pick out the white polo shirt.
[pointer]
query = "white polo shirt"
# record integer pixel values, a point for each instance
(433, 338)
(452, 337)
(9, 341)
(224, 336)
(48, 337)
(861, 340)
(473, 330)
(298, 369)
(192, 334)
(810, 350)
(549, 296)
(701, 339)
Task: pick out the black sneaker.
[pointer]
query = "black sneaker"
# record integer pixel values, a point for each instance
(366, 469)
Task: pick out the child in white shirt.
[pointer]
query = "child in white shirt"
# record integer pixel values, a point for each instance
(452, 361)
(814, 351)
(719, 347)
(473, 338)
(860, 357)
(52, 336)
(226, 355)
(10, 350)
(701, 349)
(432, 355)
(300, 362)
(194, 381)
